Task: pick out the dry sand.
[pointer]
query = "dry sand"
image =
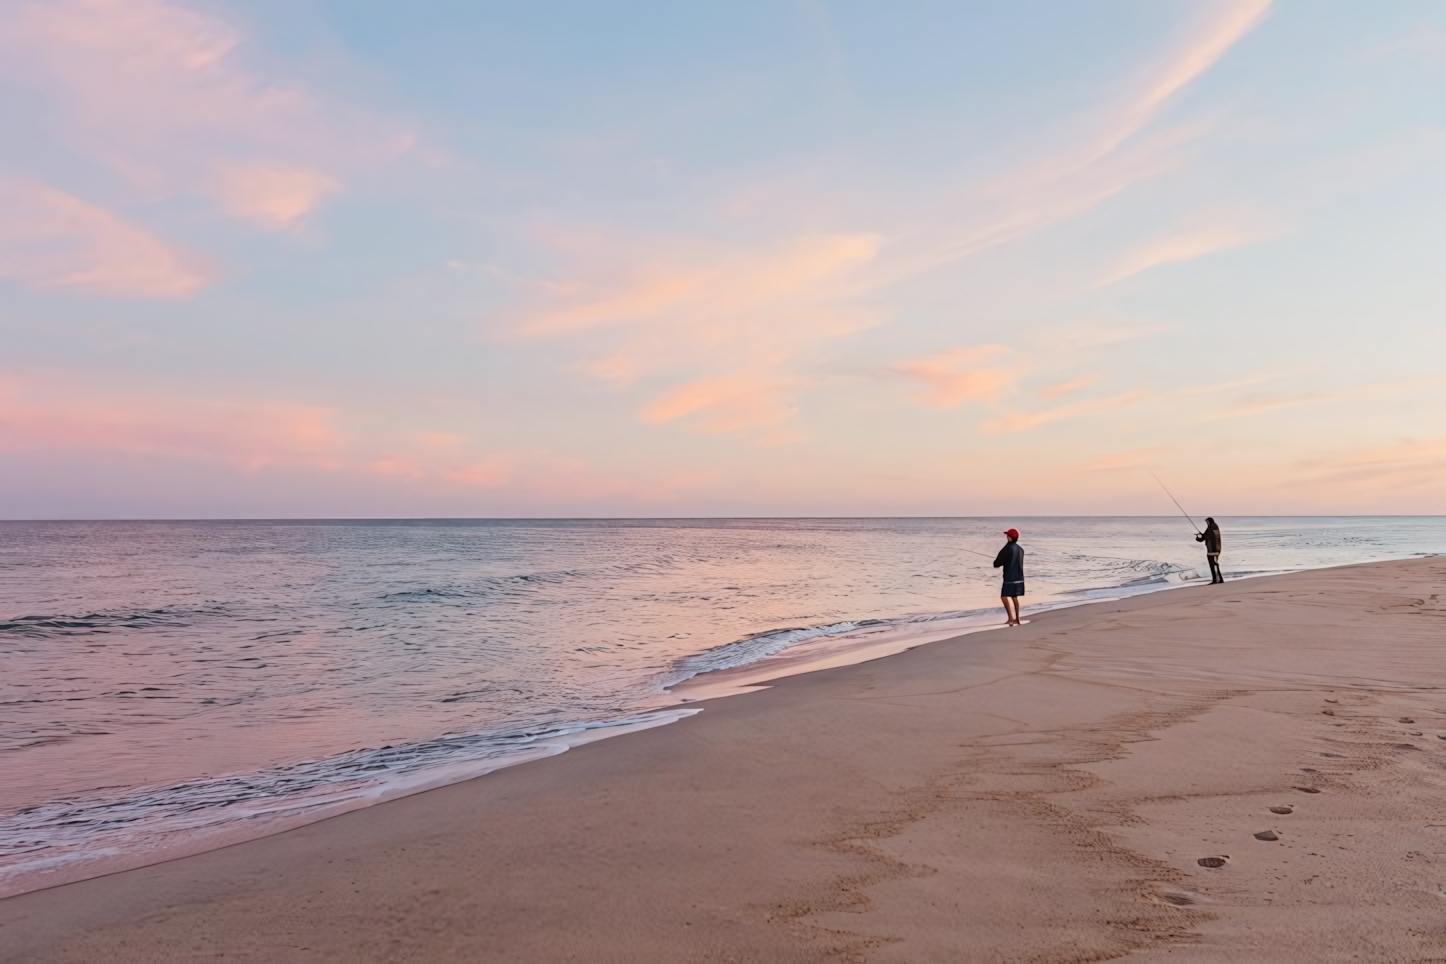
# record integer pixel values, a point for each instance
(1036, 794)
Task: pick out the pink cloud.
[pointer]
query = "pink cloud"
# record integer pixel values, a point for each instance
(1064, 388)
(1405, 467)
(458, 471)
(713, 286)
(1024, 421)
(727, 325)
(60, 414)
(1188, 245)
(728, 403)
(50, 239)
(1205, 45)
(156, 92)
(271, 197)
(48, 415)
(533, 475)
(715, 319)
(957, 375)
(1108, 158)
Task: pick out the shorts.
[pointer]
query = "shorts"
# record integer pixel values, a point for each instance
(1012, 589)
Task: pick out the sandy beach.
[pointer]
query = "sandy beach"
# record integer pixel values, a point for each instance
(1039, 794)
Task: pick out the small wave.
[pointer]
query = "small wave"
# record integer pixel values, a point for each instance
(758, 646)
(493, 585)
(44, 627)
(81, 828)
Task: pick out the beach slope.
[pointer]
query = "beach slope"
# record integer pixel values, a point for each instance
(1043, 793)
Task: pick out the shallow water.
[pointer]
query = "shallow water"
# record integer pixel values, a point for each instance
(189, 683)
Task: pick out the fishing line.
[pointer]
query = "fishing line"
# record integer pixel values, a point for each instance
(1177, 504)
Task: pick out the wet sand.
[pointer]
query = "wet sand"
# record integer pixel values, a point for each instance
(1036, 794)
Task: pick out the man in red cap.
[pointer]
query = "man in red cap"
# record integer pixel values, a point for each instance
(1011, 560)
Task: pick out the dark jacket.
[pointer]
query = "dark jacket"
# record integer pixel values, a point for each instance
(1211, 538)
(1011, 560)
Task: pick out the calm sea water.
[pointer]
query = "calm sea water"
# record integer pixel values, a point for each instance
(170, 686)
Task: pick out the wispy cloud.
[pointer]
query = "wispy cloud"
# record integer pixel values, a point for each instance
(726, 325)
(1209, 41)
(271, 197)
(1024, 421)
(1114, 154)
(1187, 245)
(728, 403)
(155, 92)
(52, 240)
(956, 375)
(737, 329)
(61, 414)
(1256, 404)
(715, 286)
(1409, 466)
(1066, 387)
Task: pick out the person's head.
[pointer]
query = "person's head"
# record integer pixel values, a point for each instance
(1209, 521)
(1013, 534)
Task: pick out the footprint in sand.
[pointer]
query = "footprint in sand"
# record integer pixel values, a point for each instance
(1307, 789)
(1282, 809)
(1267, 835)
(1314, 770)
(1405, 719)
(1329, 712)
(1213, 861)
(1329, 700)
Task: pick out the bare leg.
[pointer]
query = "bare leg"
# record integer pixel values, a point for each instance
(1011, 610)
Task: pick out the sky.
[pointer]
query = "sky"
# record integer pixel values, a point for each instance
(355, 258)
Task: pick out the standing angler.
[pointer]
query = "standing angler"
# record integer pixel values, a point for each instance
(1011, 560)
(1211, 538)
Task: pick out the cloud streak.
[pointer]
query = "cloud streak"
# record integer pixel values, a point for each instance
(734, 329)
(1185, 246)
(155, 93)
(956, 375)
(57, 414)
(727, 326)
(50, 239)
(1080, 177)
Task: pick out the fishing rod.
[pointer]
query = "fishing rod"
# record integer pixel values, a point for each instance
(1177, 504)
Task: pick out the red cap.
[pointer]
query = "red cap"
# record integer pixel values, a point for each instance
(1012, 533)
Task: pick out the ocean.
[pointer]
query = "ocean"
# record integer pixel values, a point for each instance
(169, 687)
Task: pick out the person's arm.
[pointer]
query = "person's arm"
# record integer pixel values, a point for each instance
(999, 559)
(1200, 537)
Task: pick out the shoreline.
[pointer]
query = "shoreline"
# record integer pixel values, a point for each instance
(865, 644)
(997, 794)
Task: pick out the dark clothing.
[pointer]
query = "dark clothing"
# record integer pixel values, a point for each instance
(1211, 538)
(1213, 542)
(1011, 560)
